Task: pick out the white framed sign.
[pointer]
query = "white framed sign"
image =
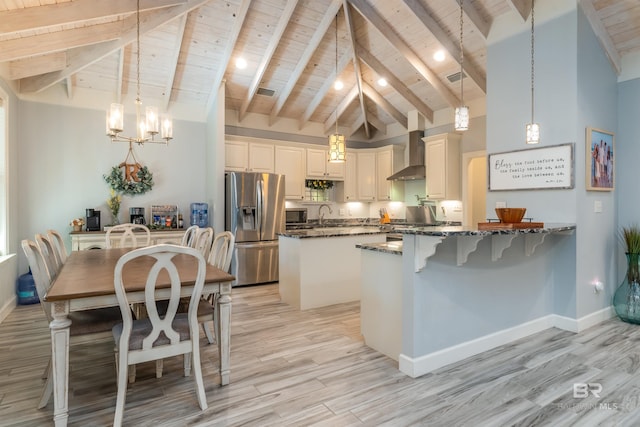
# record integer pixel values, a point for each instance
(537, 168)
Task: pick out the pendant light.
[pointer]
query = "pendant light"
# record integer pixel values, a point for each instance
(461, 116)
(533, 128)
(337, 144)
(147, 128)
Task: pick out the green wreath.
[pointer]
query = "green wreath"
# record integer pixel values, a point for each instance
(117, 182)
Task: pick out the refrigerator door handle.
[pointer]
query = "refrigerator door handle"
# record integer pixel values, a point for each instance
(259, 201)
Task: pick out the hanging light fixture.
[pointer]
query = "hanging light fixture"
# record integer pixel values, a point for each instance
(147, 128)
(461, 115)
(337, 143)
(533, 128)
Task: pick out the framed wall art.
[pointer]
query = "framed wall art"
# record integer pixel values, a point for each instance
(599, 155)
(549, 167)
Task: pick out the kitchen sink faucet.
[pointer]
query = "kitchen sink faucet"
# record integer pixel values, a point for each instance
(320, 214)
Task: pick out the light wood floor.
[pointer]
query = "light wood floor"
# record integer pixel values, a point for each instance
(312, 368)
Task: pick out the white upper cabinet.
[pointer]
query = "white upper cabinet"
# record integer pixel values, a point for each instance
(319, 168)
(348, 190)
(241, 156)
(366, 173)
(389, 160)
(442, 163)
(290, 161)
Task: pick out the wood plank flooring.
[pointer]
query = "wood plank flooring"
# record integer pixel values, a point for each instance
(292, 368)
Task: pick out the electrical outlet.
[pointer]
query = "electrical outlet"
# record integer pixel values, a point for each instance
(342, 212)
(501, 205)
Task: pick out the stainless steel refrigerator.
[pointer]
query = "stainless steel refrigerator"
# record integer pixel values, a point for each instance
(255, 214)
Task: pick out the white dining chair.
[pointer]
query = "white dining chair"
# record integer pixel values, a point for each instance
(189, 234)
(49, 253)
(220, 256)
(203, 239)
(58, 244)
(128, 237)
(155, 338)
(90, 325)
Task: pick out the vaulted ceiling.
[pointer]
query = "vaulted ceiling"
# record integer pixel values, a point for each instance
(293, 50)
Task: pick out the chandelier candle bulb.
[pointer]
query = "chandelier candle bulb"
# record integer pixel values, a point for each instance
(115, 118)
(152, 120)
(167, 128)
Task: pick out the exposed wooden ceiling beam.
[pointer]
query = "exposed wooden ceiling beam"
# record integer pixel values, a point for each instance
(240, 16)
(38, 17)
(476, 19)
(377, 123)
(522, 7)
(379, 68)
(268, 54)
(120, 78)
(387, 32)
(84, 57)
(69, 86)
(446, 41)
(326, 86)
(356, 64)
(340, 109)
(40, 64)
(385, 105)
(174, 61)
(312, 45)
(601, 34)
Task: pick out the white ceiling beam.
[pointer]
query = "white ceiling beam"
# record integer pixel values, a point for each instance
(240, 16)
(40, 64)
(312, 45)
(340, 109)
(326, 86)
(268, 54)
(385, 105)
(521, 7)
(388, 33)
(602, 34)
(379, 68)
(84, 57)
(174, 61)
(39, 17)
(357, 124)
(446, 41)
(483, 26)
(377, 123)
(120, 78)
(356, 64)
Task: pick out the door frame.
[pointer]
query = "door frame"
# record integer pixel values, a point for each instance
(467, 157)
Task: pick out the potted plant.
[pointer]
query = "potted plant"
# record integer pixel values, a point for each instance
(626, 300)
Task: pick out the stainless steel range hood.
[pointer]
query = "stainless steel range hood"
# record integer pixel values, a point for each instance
(416, 169)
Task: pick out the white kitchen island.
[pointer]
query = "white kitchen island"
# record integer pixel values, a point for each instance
(456, 292)
(320, 267)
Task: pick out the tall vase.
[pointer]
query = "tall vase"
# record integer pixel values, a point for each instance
(626, 300)
(116, 220)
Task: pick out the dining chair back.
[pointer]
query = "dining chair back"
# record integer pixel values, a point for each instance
(158, 337)
(203, 239)
(222, 250)
(48, 251)
(58, 245)
(88, 324)
(188, 236)
(128, 237)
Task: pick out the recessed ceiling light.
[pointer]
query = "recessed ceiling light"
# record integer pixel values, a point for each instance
(439, 56)
(241, 63)
(382, 81)
(338, 85)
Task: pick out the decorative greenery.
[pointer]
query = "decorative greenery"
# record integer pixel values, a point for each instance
(118, 184)
(113, 202)
(78, 222)
(631, 238)
(318, 184)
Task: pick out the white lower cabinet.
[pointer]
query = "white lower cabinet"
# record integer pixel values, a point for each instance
(82, 240)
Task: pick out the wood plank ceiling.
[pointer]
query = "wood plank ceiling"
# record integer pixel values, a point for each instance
(292, 48)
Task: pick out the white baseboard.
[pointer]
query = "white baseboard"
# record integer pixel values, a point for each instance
(415, 367)
(8, 308)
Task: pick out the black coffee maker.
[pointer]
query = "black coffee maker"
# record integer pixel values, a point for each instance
(93, 220)
(137, 216)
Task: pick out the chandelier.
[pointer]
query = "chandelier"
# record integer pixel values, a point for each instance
(147, 127)
(461, 116)
(337, 143)
(533, 128)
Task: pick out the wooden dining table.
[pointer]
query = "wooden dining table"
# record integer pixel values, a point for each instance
(86, 281)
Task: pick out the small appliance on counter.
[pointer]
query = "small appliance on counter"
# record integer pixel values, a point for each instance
(136, 216)
(295, 216)
(93, 220)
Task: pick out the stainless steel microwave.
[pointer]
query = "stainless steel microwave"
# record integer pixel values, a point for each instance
(296, 215)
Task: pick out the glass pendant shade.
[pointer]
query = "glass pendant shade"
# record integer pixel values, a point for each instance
(115, 119)
(167, 128)
(462, 118)
(533, 133)
(151, 119)
(337, 148)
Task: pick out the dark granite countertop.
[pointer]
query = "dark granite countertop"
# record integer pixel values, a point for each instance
(394, 248)
(333, 231)
(473, 231)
